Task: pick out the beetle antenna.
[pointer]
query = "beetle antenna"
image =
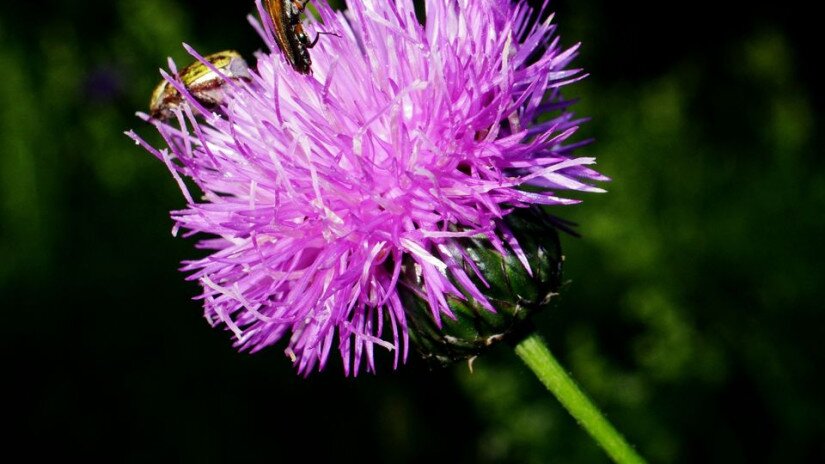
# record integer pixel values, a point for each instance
(315, 41)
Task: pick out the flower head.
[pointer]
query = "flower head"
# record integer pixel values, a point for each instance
(319, 189)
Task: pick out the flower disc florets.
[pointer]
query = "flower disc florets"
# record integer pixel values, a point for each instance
(316, 188)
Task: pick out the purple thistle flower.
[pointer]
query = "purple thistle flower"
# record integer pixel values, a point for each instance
(404, 140)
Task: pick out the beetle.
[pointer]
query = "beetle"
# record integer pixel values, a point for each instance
(202, 82)
(289, 32)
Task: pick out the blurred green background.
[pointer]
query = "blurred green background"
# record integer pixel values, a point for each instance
(694, 316)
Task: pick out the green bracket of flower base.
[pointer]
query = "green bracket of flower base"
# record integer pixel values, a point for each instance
(515, 293)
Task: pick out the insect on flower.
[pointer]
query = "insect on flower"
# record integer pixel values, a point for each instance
(289, 32)
(203, 82)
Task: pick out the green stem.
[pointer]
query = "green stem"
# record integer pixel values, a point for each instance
(533, 351)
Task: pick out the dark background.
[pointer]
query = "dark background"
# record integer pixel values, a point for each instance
(694, 316)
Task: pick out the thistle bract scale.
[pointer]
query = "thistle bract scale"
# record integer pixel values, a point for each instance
(516, 291)
(318, 192)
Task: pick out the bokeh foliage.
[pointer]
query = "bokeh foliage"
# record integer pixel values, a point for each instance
(693, 316)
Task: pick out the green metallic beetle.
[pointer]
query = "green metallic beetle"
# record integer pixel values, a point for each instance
(202, 82)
